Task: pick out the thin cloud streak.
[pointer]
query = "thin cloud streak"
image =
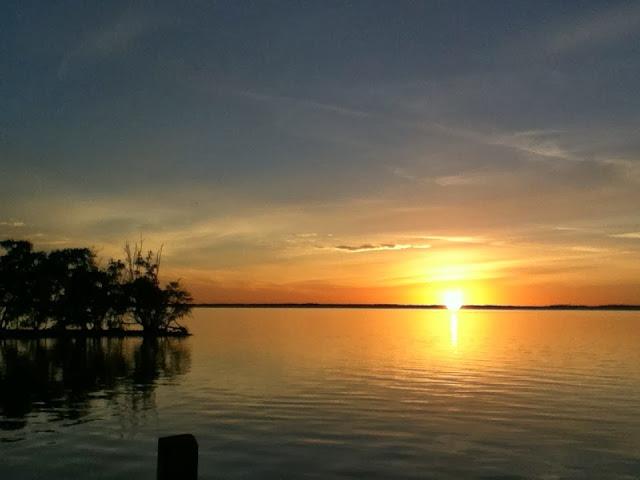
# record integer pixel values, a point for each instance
(596, 29)
(629, 235)
(455, 238)
(13, 224)
(373, 247)
(528, 141)
(112, 38)
(303, 102)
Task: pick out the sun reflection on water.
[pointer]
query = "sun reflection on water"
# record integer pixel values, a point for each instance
(453, 328)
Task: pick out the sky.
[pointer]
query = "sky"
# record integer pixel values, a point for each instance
(352, 151)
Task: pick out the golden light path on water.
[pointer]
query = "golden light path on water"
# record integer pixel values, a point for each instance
(453, 328)
(453, 300)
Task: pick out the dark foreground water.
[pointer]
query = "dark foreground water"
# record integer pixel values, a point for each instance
(334, 394)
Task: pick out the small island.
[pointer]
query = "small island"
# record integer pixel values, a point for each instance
(68, 292)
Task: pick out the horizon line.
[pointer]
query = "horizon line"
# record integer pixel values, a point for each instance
(406, 306)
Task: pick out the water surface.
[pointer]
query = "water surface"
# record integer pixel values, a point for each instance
(334, 394)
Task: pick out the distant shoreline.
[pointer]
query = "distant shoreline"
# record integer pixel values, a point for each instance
(393, 306)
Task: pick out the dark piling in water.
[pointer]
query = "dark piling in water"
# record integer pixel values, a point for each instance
(178, 457)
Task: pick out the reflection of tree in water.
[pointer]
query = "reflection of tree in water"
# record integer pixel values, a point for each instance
(64, 376)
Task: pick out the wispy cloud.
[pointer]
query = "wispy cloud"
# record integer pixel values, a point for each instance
(537, 142)
(376, 247)
(458, 180)
(303, 102)
(13, 223)
(113, 37)
(340, 109)
(597, 28)
(455, 238)
(562, 228)
(631, 235)
(463, 179)
(588, 249)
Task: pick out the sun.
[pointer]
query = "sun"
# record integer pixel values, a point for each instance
(453, 299)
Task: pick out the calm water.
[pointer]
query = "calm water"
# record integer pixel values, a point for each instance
(335, 394)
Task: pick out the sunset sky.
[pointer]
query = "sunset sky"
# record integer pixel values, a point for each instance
(353, 151)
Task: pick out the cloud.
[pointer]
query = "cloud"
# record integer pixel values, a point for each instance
(567, 229)
(458, 180)
(588, 249)
(631, 235)
(599, 28)
(112, 38)
(542, 143)
(339, 109)
(536, 142)
(377, 247)
(303, 102)
(463, 179)
(456, 238)
(12, 223)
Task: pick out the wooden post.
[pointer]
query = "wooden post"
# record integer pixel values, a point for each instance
(178, 457)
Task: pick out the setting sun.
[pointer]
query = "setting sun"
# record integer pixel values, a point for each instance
(453, 299)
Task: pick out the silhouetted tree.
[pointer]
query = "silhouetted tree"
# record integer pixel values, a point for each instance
(75, 287)
(67, 288)
(23, 290)
(154, 308)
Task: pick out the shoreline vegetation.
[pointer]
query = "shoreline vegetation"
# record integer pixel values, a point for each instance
(68, 293)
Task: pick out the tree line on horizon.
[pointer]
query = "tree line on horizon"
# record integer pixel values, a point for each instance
(68, 289)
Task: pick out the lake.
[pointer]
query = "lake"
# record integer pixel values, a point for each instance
(328, 394)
